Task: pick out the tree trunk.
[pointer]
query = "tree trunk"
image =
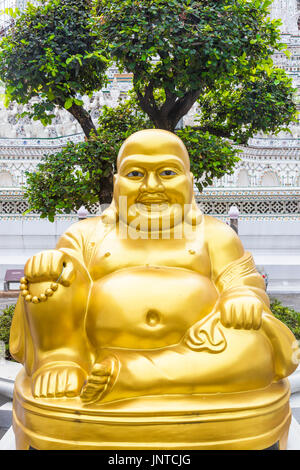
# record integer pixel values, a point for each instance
(169, 114)
(106, 190)
(84, 119)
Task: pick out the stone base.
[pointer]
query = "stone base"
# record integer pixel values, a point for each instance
(252, 420)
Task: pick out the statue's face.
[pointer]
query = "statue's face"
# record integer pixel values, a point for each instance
(154, 179)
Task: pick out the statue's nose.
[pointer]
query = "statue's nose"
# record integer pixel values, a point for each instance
(152, 183)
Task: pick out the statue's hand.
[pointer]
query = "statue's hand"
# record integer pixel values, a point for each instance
(244, 312)
(58, 380)
(50, 265)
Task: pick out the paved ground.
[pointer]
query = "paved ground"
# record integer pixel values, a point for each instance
(5, 415)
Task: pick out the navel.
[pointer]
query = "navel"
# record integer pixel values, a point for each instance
(152, 317)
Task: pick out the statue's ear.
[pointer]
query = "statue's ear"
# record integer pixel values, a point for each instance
(110, 215)
(115, 178)
(194, 216)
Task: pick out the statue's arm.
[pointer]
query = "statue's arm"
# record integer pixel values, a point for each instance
(249, 352)
(243, 302)
(232, 268)
(209, 359)
(49, 337)
(76, 240)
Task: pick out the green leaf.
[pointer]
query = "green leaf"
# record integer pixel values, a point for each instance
(68, 103)
(78, 102)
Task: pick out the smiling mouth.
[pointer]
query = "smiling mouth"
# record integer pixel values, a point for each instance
(153, 202)
(148, 199)
(152, 207)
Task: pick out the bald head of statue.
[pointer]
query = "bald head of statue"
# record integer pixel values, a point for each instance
(153, 178)
(154, 143)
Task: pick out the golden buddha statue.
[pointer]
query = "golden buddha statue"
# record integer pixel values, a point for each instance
(149, 316)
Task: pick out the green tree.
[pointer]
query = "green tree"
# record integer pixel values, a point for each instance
(51, 54)
(215, 54)
(66, 180)
(73, 177)
(6, 317)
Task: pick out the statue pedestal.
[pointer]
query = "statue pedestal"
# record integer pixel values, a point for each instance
(240, 421)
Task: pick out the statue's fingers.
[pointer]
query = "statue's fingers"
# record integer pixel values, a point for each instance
(56, 265)
(35, 267)
(68, 275)
(238, 317)
(46, 266)
(91, 390)
(248, 319)
(28, 269)
(257, 316)
(87, 394)
(231, 315)
(226, 316)
(234, 315)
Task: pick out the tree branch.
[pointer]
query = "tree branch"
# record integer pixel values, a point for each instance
(169, 103)
(182, 106)
(82, 116)
(147, 102)
(215, 131)
(84, 119)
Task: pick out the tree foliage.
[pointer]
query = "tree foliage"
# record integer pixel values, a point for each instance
(240, 109)
(199, 50)
(6, 317)
(214, 54)
(211, 156)
(287, 315)
(51, 54)
(73, 177)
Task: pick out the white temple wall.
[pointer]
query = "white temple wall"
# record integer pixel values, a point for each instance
(6, 180)
(275, 245)
(272, 230)
(20, 239)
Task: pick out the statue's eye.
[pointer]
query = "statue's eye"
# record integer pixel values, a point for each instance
(135, 174)
(168, 173)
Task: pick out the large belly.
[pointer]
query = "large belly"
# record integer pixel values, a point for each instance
(142, 308)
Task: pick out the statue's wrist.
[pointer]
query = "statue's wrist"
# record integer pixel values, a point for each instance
(240, 291)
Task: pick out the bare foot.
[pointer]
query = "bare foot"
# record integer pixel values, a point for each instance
(99, 380)
(58, 380)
